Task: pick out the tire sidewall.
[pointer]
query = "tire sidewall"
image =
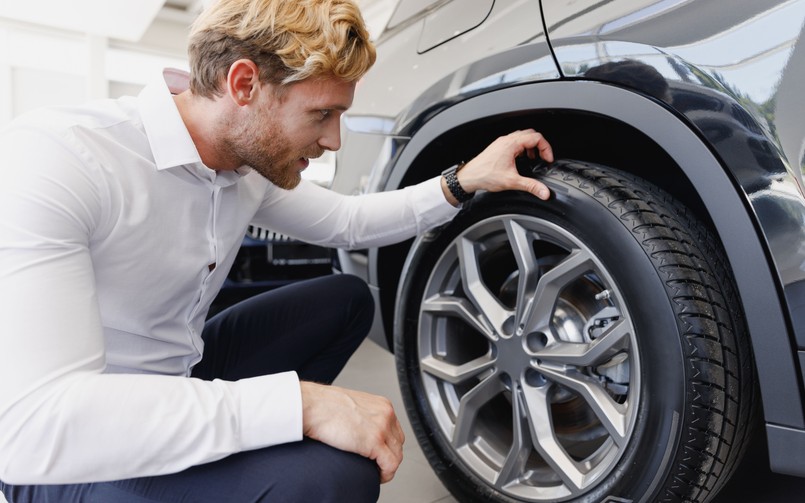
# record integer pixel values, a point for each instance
(647, 459)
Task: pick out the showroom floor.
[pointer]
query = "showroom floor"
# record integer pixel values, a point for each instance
(371, 369)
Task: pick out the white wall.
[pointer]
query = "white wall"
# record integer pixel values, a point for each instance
(42, 66)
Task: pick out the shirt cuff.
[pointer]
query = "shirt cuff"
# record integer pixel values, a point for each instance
(270, 410)
(430, 204)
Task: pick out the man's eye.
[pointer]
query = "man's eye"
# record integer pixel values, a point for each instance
(324, 113)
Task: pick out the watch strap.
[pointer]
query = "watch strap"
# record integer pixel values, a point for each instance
(453, 184)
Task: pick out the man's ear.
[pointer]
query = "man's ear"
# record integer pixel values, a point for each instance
(242, 81)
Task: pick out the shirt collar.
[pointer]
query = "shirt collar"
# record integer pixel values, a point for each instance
(170, 141)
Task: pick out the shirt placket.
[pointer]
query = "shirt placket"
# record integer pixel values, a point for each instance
(212, 262)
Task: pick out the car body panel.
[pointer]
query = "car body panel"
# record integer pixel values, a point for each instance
(734, 69)
(731, 122)
(402, 75)
(451, 21)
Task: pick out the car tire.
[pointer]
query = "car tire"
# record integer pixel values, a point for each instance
(586, 348)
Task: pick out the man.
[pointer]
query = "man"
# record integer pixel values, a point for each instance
(120, 221)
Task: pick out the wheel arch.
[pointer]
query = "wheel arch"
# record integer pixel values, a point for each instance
(627, 124)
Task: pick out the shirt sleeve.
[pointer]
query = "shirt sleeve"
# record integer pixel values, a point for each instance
(320, 216)
(62, 420)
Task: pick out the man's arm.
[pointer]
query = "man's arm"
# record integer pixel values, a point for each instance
(321, 216)
(62, 420)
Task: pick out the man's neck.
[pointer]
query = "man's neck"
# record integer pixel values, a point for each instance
(201, 117)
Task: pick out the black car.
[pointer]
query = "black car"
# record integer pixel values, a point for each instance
(627, 339)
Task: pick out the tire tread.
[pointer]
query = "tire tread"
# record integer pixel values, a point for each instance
(695, 279)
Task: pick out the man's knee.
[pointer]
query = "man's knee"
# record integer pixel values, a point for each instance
(361, 303)
(356, 290)
(328, 475)
(298, 472)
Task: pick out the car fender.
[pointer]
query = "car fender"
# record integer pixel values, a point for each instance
(731, 212)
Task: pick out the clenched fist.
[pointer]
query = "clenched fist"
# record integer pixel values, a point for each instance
(354, 421)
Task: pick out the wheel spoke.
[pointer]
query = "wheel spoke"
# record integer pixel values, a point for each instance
(599, 351)
(611, 413)
(455, 374)
(486, 303)
(514, 465)
(462, 308)
(559, 353)
(520, 241)
(550, 286)
(545, 441)
(469, 406)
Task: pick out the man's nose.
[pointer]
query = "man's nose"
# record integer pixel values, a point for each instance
(331, 140)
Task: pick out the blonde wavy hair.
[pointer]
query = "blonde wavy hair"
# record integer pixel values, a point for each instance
(289, 41)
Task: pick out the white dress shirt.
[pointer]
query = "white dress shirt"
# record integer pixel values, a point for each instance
(114, 240)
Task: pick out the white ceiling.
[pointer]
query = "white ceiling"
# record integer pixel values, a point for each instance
(120, 19)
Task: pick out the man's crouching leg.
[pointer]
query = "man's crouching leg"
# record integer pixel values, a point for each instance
(312, 327)
(306, 471)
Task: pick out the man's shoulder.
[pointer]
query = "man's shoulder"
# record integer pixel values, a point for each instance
(97, 135)
(99, 117)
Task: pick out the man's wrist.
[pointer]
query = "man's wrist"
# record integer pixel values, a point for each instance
(454, 186)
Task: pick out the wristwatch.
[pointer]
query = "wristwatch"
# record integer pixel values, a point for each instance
(452, 183)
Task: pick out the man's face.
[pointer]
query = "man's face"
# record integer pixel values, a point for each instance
(278, 134)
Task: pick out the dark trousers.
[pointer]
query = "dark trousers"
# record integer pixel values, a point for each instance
(312, 327)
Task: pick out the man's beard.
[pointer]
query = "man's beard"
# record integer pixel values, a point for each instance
(270, 155)
(283, 174)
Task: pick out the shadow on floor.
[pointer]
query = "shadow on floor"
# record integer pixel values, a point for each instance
(754, 482)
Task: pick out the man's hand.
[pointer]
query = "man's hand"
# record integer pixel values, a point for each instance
(354, 421)
(494, 170)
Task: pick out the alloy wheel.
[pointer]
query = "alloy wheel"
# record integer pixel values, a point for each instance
(528, 358)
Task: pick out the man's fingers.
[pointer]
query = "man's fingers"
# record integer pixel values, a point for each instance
(390, 451)
(535, 187)
(529, 139)
(545, 150)
(390, 457)
(536, 140)
(388, 463)
(494, 169)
